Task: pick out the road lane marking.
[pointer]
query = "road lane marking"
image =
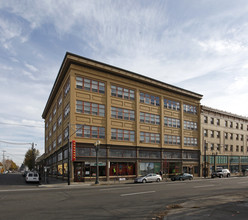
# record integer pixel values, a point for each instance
(138, 193)
(202, 186)
(242, 182)
(114, 188)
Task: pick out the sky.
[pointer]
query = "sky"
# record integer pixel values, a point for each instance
(198, 45)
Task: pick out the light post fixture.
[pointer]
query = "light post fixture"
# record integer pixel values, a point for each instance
(205, 159)
(215, 154)
(97, 146)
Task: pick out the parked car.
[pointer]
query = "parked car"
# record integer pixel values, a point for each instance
(32, 177)
(151, 177)
(25, 173)
(182, 176)
(221, 173)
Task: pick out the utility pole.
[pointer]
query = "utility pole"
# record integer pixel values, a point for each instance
(4, 160)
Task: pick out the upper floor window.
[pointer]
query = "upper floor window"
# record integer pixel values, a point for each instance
(190, 109)
(67, 88)
(218, 121)
(121, 113)
(241, 126)
(87, 131)
(149, 118)
(152, 138)
(59, 120)
(170, 139)
(122, 135)
(50, 118)
(237, 125)
(190, 141)
(123, 93)
(205, 133)
(90, 108)
(226, 147)
(171, 104)
(212, 121)
(226, 123)
(190, 125)
(54, 110)
(149, 99)
(212, 133)
(90, 85)
(205, 119)
(67, 110)
(60, 100)
(172, 122)
(231, 124)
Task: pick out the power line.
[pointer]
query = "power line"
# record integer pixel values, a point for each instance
(31, 126)
(14, 143)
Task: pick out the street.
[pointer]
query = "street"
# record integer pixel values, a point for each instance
(198, 198)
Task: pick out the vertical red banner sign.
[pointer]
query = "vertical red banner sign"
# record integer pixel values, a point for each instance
(73, 153)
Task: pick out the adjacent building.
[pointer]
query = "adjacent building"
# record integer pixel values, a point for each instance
(224, 141)
(143, 125)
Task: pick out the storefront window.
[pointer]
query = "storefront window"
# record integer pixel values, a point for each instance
(122, 153)
(145, 168)
(65, 169)
(122, 168)
(149, 154)
(60, 170)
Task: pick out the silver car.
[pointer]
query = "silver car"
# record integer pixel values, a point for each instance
(151, 177)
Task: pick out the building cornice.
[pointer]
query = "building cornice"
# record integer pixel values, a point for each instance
(224, 113)
(86, 62)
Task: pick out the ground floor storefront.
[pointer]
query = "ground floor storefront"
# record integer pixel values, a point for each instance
(236, 164)
(120, 162)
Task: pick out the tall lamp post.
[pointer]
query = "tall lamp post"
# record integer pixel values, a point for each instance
(205, 159)
(97, 146)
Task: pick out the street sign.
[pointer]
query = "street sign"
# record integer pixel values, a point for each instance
(73, 150)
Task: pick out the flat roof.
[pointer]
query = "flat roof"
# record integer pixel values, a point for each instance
(71, 58)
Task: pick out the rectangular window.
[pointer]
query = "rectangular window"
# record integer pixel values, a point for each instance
(172, 122)
(120, 113)
(169, 104)
(90, 131)
(90, 85)
(149, 118)
(123, 93)
(190, 125)
(67, 110)
(149, 99)
(190, 109)
(122, 135)
(90, 108)
(146, 137)
(174, 140)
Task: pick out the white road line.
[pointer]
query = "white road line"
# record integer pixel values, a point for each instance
(138, 193)
(202, 186)
(242, 182)
(110, 189)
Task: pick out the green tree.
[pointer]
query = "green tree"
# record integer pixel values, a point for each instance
(30, 157)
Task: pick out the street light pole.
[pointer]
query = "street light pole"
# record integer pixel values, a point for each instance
(69, 155)
(97, 144)
(205, 160)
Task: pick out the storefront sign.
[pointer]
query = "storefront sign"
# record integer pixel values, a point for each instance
(73, 143)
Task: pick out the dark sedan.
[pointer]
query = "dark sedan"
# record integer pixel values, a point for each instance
(182, 176)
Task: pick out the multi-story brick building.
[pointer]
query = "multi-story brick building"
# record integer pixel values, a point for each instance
(144, 125)
(224, 141)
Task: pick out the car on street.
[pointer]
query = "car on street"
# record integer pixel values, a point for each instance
(32, 177)
(151, 177)
(182, 176)
(221, 173)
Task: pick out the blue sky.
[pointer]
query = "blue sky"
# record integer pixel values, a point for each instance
(200, 46)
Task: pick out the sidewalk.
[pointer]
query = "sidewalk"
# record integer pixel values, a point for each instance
(52, 182)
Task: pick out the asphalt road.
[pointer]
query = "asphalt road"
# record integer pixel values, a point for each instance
(197, 199)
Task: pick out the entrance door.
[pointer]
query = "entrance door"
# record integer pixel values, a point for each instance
(78, 172)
